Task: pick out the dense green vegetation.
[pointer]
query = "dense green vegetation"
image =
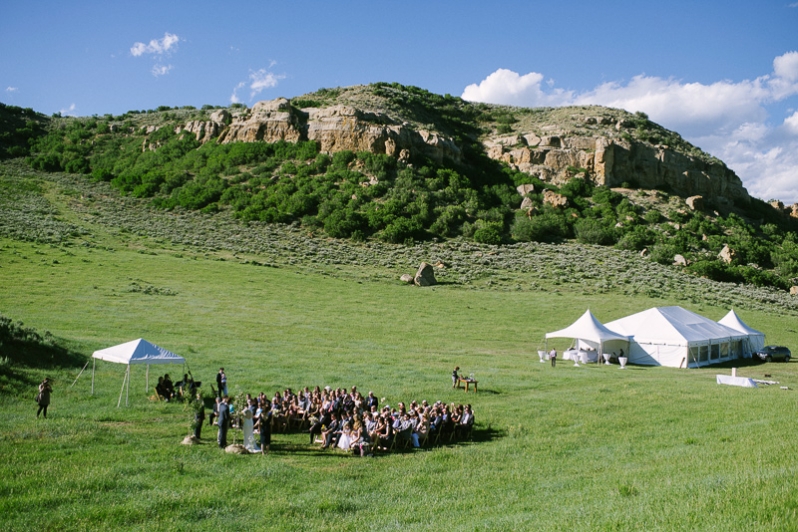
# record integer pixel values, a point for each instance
(583, 448)
(366, 196)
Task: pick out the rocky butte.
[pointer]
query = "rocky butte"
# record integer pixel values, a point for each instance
(608, 146)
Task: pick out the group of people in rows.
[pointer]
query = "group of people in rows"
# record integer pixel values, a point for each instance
(337, 418)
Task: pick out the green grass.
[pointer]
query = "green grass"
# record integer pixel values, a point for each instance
(587, 448)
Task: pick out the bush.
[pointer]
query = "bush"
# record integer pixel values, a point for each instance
(489, 233)
(593, 231)
(546, 227)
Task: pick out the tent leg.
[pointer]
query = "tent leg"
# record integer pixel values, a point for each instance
(93, 367)
(81, 373)
(119, 402)
(147, 382)
(127, 393)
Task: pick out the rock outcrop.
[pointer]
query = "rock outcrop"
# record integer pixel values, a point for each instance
(612, 161)
(335, 128)
(554, 153)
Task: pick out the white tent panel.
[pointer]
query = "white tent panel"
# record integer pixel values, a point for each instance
(756, 339)
(675, 337)
(587, 327)
(138, 352)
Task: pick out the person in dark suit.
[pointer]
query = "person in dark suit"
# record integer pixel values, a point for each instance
(221, 382)
(224, 422)
(333, 431)
(199, 416)
(371, 401)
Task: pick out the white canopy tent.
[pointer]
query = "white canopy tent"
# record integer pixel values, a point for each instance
(756, 339)
(589, 332)
(136, 352)
(675, 337)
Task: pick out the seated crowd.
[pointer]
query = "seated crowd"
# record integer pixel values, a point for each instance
(337, 418)
(167, 390)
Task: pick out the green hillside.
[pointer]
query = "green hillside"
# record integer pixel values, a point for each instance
(279, 305)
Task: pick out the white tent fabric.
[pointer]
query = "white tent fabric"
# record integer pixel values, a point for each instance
(135, 352)
(138, 352)
(587, 327)
(675, 337)
(756, 339)
(590, 331)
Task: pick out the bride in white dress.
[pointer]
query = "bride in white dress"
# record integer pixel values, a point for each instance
(249, 436)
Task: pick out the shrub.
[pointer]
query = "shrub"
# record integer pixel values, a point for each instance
(593, 231)
(489, 233)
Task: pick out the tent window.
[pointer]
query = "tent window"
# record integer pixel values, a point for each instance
(737, 348)
(724, 350)
(694, 354)
(703, 353)
(714, 352)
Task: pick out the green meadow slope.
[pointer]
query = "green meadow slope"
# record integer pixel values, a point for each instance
(584, 448)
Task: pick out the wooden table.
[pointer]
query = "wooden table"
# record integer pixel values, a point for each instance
(467, 383)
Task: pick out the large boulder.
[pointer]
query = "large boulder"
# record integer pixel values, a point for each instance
(727, 254)
(679, 260)
(406, 278)
(525, 189)
(695, 203)
(425, 276)
(554, 199)
(794, 290)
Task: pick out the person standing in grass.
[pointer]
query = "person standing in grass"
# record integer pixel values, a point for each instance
(224, 422)
(221, 383)
(553, 357)
(455, 376)
(199, 416)
(45, 389)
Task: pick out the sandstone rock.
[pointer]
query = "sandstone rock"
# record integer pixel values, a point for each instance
(532, 139)
(425, 276)
(726, 254)
(679, 260)
(221, 116)
(527, 205)
(794, 290)
(551, 141)
(554, 199)
(236, 448)
(696, 203)
(794, 210)
(776, 204)
(644, 252)
(525, 189)
(190, 440)
(406, 278)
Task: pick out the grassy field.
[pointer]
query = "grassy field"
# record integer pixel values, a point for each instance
(585, 448)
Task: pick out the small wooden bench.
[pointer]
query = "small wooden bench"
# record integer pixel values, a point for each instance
(468, 382)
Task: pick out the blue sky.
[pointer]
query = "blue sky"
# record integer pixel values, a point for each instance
(723, 74)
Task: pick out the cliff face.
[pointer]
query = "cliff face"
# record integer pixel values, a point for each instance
(554, 148)
(335, 128)
(611, 162)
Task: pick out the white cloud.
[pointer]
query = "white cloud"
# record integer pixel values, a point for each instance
(155, 46)
(726, 118)
(510, 88)
(160, 70)
(11, 89)
(259, 80)
(69, 111)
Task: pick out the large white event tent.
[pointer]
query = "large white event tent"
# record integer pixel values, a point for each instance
(675, 337)
(589, 332)
(136, 352)
(756, 339)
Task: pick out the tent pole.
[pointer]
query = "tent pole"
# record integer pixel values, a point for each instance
(147, 382)
(81, 373)
(127, 393)
(93, 366)
(119, 402)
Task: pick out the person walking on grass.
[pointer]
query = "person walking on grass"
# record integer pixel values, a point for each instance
(221, 383)
(43, 398)
(224, 422)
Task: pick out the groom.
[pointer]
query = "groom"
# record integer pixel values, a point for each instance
(224, 421)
